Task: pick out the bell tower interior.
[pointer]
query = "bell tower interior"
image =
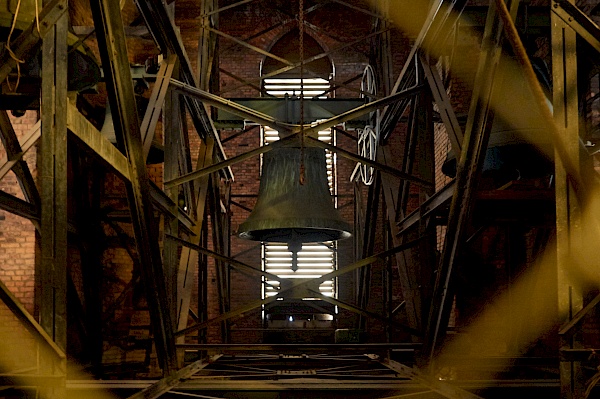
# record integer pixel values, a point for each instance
(290, 199)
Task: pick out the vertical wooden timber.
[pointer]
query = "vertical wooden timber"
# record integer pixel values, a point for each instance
(115, 64)
(53, 181)
(568, 212)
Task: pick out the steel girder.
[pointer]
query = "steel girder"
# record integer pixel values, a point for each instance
(113, 52)
(468, 173)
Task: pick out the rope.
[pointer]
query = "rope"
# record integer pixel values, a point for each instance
(301, 45)
(37, 18)
(10, 52)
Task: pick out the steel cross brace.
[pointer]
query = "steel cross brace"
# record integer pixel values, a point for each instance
(441, 13)
(113, 52)
(26, 143)
(163, 386)
(298, 285)
(27, 43)
(87, 133)
(443, 388)
(469, 168)
(20, 169)
(306, 61)
(578, 21)
(167, 38)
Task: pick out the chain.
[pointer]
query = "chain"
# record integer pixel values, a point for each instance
(301, 45)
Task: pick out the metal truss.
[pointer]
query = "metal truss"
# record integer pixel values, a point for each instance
(166, 290)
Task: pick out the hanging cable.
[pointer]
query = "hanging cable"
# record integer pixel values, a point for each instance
(10, 52)
(301, 45)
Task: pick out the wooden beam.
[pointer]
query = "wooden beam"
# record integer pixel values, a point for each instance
(380, 166)
(469, 169)
(444, 106)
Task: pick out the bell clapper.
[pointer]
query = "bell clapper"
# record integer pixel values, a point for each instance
(294, 247)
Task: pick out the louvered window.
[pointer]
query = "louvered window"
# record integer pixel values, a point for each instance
(315, 259)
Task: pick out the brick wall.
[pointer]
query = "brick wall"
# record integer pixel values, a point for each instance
(17, 235)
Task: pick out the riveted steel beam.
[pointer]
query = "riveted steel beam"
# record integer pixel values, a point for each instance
(469, 169)
(113, 53)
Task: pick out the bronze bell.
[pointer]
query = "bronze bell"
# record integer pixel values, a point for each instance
(519, 145)
(293, 213)
(157, 151)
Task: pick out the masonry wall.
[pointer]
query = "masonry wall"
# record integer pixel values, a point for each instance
(17, 234)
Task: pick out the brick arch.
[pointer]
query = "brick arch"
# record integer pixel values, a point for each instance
(287, 47)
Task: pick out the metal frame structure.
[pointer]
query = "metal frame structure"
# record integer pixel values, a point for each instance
(166, 279)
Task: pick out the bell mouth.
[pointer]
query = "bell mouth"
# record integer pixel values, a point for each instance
(303, 235)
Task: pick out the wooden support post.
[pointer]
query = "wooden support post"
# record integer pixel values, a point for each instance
(568, 211)
(52, 272)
